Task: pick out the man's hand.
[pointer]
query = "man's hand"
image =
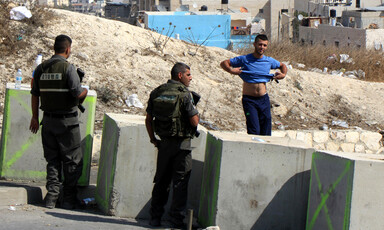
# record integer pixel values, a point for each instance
(279, 76)
(236, 71)
(155, 142)
(34, 126)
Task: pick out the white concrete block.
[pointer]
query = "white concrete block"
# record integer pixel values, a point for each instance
(347, 147)
(22, 151)
(292, 134)
(332, 146)
(371, 140)
(352, 137)
(305, 137)
(338, 136)
(319, 146)
(127, 167)
(320, 136)
(250, 184)
(359, 148)
(344, 191)
(278, 133)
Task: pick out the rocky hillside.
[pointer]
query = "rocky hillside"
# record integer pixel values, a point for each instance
(120, 60)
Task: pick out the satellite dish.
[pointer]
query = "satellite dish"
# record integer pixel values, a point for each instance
(300, 17)
(194, 5)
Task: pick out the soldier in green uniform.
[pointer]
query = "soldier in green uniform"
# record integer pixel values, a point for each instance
(57, 85)
(172, 115)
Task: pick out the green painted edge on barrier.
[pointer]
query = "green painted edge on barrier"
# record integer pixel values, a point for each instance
(87, 155)
(310, 189)
(5, 130)
(104, 201)
(5, 165)
(208, 166)
(348, 200)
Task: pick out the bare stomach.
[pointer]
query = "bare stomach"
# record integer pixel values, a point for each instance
(254, 89)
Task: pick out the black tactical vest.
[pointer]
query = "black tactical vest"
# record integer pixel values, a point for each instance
(169, 120)
(54, 91)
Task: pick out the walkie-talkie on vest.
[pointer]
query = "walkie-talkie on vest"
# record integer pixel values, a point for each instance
(81, 74)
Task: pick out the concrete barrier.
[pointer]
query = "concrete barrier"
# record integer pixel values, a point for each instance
(346, 191)
(127, 166)
(21, 155)
(254, 182)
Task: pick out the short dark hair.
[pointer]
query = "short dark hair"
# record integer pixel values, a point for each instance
(261, 37)
(62, 42)
(178, 68)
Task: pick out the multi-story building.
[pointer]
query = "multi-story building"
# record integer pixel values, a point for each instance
(357, 28)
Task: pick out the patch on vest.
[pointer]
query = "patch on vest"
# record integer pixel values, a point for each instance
(51, 77)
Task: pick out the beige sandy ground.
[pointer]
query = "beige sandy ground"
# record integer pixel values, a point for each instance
(120, 59)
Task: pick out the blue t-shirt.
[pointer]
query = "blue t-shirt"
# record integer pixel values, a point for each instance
(255, 70)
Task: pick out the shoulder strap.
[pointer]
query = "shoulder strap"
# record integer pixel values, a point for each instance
(46, 66)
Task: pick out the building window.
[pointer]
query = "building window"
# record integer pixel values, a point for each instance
(357, 3)
(311, 42)
(337, 43)
(324, 43)
(261, 11)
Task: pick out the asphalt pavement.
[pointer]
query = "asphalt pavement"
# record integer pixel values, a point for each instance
(21, 207)
(37, 217)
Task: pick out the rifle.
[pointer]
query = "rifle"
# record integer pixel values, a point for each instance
(196, 98)
(81, 74)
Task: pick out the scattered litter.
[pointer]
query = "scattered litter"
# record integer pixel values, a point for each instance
(258, 139)
(316, 70)
(89, 201)
(344, 58)
(359, 74)
(19, 13)
(324, 127)
(82, 56)
(340, 123)
(325, 70)
(12, 208)
(336, 72)
(299, 65)
(133, 100)
(278, 123)
(332, 57)
(212, 228)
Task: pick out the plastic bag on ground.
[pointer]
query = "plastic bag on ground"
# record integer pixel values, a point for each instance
(133, 100)
(19, 13)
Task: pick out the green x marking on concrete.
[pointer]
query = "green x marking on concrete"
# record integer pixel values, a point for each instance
(325, 196)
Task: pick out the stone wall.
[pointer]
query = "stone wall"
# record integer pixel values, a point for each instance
(358, 141)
